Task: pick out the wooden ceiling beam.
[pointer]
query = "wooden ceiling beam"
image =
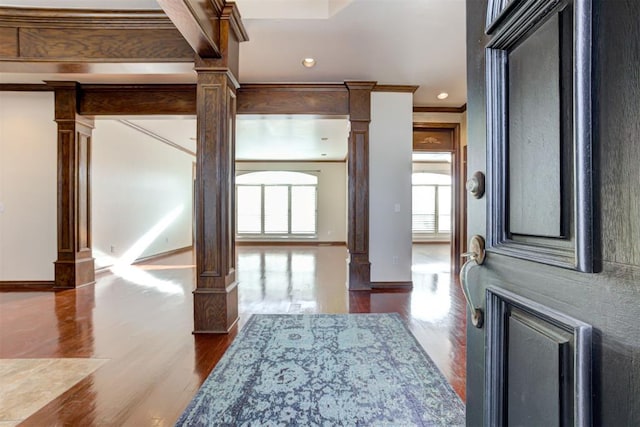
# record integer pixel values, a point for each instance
(70, 38)
(199, 23)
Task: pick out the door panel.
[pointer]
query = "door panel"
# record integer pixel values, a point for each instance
(542, 293)
(534, 133)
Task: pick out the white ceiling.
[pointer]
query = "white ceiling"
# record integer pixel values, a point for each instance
(263, 137)
(401, 42)
(398, 42)
(293, 137)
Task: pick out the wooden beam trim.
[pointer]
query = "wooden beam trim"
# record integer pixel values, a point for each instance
(256, 242)
(395, 88)
(293, 87)
(27, 286)
(435, 125)
(166, 99)
(198, 22)
(291, 161)
(461, 109)
(25, 87)
(231, 13)
(322, 99)
(83, 18)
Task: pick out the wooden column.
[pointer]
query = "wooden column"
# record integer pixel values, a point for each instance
(358, 177)
(74, 266)
(216, 293)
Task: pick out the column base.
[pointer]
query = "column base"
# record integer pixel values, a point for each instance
(71, 274)
(215, 311)
(359, 273)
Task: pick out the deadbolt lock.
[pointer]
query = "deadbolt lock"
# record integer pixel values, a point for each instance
(475, 185)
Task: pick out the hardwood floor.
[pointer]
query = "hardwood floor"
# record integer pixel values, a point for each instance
(140, 319)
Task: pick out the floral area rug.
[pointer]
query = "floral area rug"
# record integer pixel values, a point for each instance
(325, 370)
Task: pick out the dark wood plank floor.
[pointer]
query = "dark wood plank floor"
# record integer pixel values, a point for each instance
(140, 318)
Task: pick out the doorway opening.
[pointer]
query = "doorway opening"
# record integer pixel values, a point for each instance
(431, 216)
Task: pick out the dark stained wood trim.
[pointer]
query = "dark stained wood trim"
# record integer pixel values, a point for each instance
(75, 264)
(358, 185)
(286, 243)
(180, 99)
(27, 285)
(395, 88)
(461, 109)
(157, 137)
(216, 294)
(392, 285)
(106, 99)
(86, 18)
(231, 13)
(291, 161)
(25, 87)
(79, 36)
(198, 23)
(323, 99)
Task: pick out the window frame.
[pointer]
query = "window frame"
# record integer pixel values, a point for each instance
(289, 234)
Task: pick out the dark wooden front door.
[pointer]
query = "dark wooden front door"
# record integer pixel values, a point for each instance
(554, 124)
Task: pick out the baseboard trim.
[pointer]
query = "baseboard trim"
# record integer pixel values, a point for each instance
(162, 255)
(27, 285)
(392, 285)
(141, 260)
(287, 243)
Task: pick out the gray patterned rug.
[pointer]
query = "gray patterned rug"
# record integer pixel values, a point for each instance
(325, 370)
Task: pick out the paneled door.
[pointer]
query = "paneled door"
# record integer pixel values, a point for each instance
(553, 270)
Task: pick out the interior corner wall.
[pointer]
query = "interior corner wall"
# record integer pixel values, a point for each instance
(332, 194)
(141, 197)
(390, 148)
(28, 171)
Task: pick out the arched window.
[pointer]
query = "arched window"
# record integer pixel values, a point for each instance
(431, 213)
(276, 203)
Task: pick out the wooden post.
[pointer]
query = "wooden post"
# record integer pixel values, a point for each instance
(75, 265)
(216, 293)
(358, 173)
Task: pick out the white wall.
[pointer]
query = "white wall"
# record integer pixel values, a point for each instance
(137, 182)
(390, 147)
(332, 193)
(28, 140)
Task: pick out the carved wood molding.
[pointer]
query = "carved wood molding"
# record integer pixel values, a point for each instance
(436, 137)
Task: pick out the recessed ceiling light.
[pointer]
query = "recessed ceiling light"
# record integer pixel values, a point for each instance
(193, 138)
(443, 95)
(309, 62)
(324, 139)
(323, 154)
